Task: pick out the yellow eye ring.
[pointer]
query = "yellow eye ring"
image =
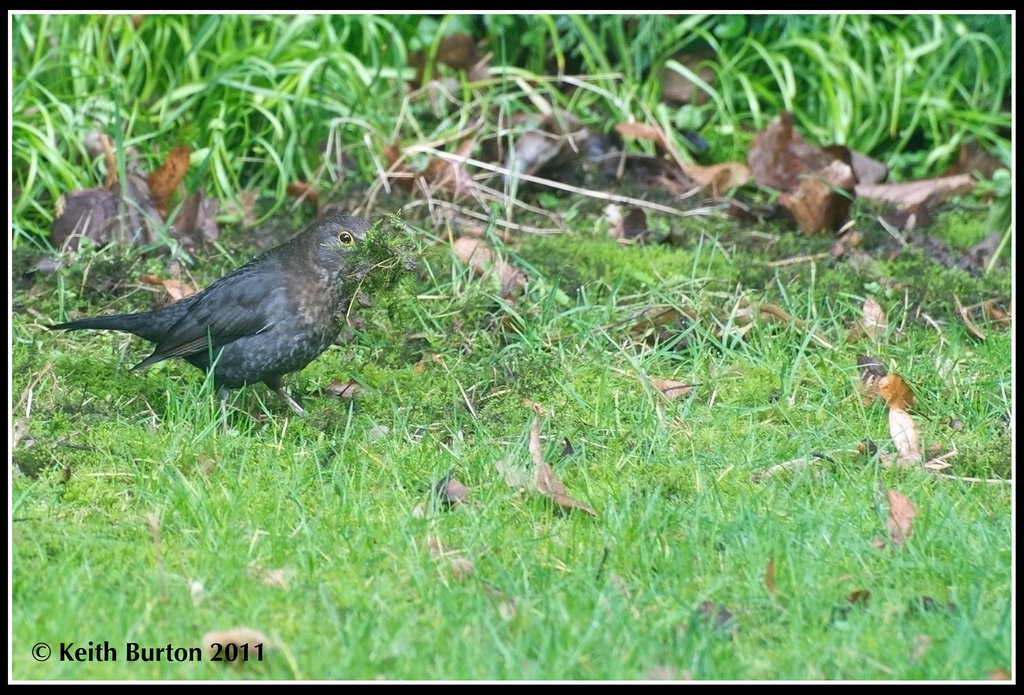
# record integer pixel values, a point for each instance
(346, 239)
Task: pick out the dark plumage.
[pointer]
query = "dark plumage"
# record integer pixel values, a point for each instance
(272, 316)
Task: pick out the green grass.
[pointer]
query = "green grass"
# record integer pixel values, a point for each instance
(329, 498)
(137, 517)
(263, 101)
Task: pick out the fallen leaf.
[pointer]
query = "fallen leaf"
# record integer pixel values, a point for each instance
(166, 178)
(717, 616)
(901, 516)
(646, 327)
(858, 596)
(769, 576)
(631, 226)
(88, 214)
(677, 85)
(514, 475)
(458, 51)
(874, 321)
(646, 131)
(871, 371)
(344, 390)
(871, 368)
(672, 389)
(557, 133)
(544, 478)
(904, 436)
(716, 179)
(196, 223)
(306, 193)
(906, 195)
(176, 289)
(822, 201)
(866, 446)
(896, 392)
(994, 313)
(279, 577)
(868, 169)
(815, 186)
(921, 645)
(450, 174)
(449, 490)
(458, 564)
(485, 262)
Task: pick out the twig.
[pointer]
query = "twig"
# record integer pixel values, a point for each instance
(967, 319)
(797, 259)
(563, 186)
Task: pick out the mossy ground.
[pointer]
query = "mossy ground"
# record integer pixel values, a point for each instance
(128, 494)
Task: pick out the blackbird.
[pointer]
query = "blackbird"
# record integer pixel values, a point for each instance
(270, 317)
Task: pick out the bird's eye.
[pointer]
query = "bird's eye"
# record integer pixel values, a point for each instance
(346, 239)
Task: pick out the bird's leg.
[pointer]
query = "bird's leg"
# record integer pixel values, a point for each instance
(292, 403)
(274, 382)
(223, 393)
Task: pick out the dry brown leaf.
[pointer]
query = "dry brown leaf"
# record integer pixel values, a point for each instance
(459, 565)
(306, 193)
(871, 371)
(645, 324)
(556, 134)
(901, 516)
(279, 577)
(717, 616)
(483, 260)
(672, 389)
(769, 576)
(907, 195)
(815, 185)
(874, 321)
(88, 214)
(896, 392)
(163, 182)
(196, 222)
(176, 289)
(451, 174)
(514, 475)
(867, 169)
(646, 131)
(779, 157)
(544, 479)
(858, 596)
(458, 51)
(678, 89)
(994, 313)
(921, 645)
(716, 179)
(629, 224)
(344, 390)
(449, 490)
(904, 437)
(821, 203)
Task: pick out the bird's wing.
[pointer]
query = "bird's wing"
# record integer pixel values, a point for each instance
(239, 305)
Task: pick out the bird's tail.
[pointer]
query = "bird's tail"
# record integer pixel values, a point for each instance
(129, 323)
